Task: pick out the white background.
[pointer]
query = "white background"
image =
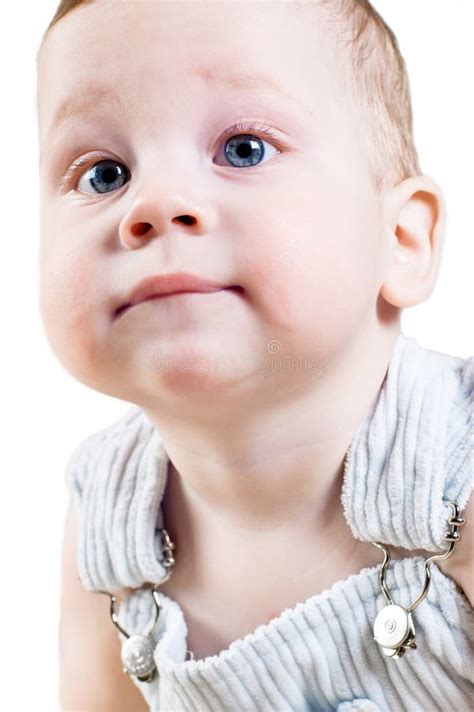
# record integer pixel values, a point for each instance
(46, 412)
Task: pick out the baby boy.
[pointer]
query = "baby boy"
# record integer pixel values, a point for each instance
(242, 279)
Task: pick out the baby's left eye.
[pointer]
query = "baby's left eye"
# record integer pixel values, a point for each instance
(246, 149)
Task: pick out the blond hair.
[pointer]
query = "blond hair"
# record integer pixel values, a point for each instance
(377, 82)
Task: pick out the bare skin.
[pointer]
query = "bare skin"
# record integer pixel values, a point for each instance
(324, 265)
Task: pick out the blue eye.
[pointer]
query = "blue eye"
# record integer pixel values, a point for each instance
(106, 175)
(246, 149)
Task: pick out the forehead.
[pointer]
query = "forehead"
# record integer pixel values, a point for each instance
(156, 51)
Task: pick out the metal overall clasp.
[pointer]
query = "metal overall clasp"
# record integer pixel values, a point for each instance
(394, 629)
(137, 650)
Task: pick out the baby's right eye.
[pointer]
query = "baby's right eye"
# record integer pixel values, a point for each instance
(104, 176)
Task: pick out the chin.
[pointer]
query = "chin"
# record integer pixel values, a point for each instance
(188, 375)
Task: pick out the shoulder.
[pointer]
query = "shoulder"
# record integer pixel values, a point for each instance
(98, 448)
(117, 477)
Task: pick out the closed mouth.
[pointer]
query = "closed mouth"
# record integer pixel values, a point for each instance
(125, 307)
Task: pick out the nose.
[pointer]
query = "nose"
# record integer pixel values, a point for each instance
(149, 218)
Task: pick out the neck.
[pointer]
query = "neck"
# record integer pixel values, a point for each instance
(278, 469)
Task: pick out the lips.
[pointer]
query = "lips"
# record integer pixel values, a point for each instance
(163, 285)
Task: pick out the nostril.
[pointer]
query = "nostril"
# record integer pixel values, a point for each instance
(186, 219)
(140, 229)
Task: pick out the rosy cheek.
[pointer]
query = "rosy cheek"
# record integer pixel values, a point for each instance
(316, 273)
(67, 303)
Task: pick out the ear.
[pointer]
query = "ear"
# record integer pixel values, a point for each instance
(414, 222)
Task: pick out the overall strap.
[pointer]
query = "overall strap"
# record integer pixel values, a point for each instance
(118, 477)
(412, 450)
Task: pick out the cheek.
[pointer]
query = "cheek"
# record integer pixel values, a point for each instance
(315, 260)
(69, 307)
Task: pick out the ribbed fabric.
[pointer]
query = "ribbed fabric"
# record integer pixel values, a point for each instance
(412, 449)
(118, 477)
(321, 653)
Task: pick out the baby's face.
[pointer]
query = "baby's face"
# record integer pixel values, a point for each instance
(290, 217)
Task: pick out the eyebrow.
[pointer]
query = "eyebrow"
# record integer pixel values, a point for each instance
(241, 80)
(89, 97)
(84, 100)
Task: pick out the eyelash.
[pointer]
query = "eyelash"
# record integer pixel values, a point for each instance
(235, 129)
